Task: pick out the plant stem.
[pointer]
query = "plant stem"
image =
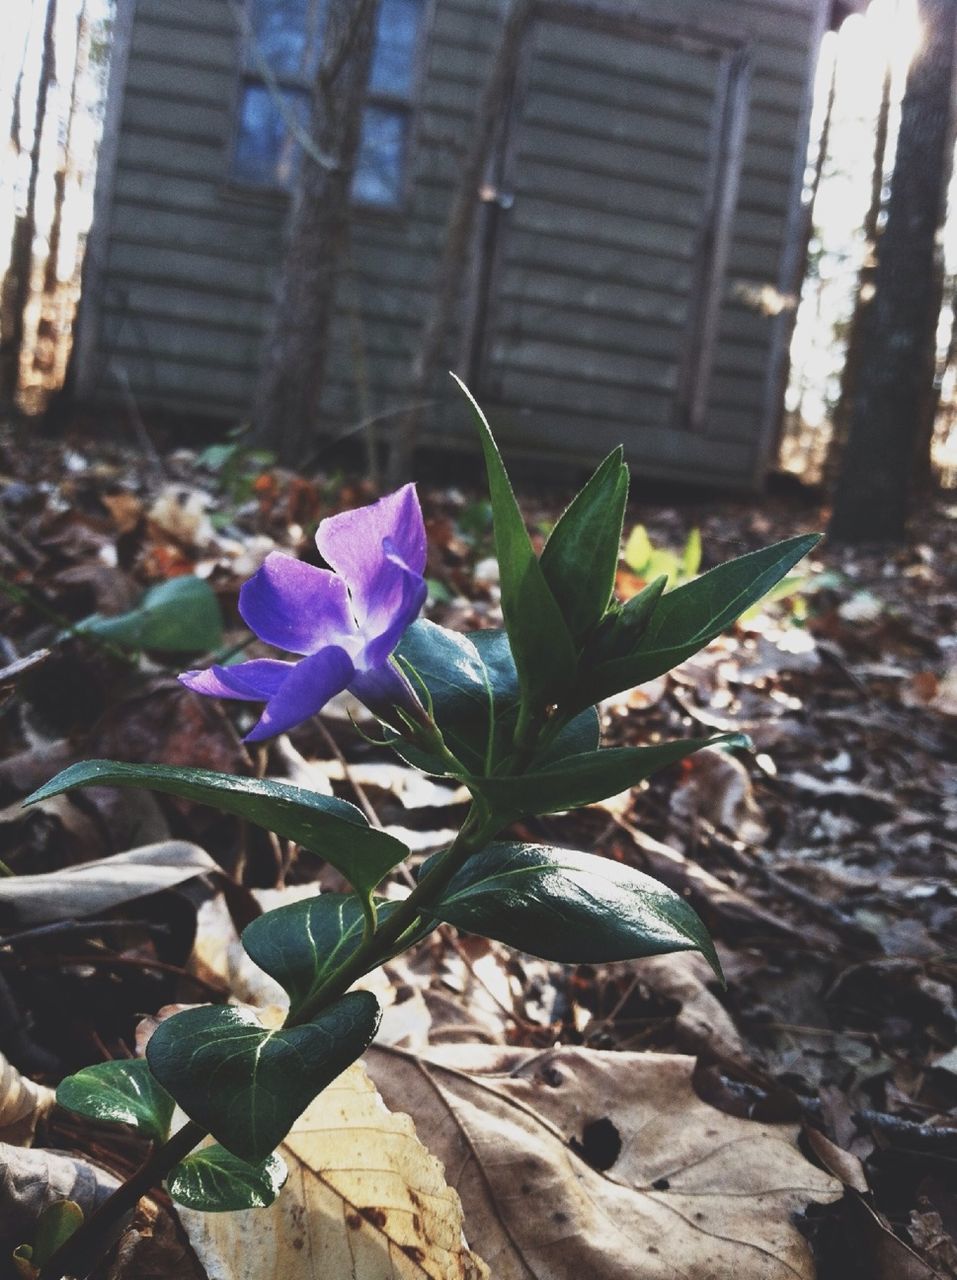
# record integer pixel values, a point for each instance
(476, 831)
(80, 1253)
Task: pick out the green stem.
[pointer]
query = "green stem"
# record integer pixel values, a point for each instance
(476, 831)
(80, 1253)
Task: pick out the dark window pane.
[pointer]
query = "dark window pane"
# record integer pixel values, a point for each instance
(287, 34)
(394, 54)
(378, 177)
(266, 155)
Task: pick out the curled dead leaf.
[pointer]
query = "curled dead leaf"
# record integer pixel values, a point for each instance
(576, 1163)
(22, 1105)
(96, 886)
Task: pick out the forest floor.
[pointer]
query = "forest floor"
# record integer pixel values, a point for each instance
(822, 862)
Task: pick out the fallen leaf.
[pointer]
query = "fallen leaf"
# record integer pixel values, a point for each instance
(702, 1022)
(92, 887)
(364, 1199)
(22, 1104)
(717, 788)
(576, 1163)
(32, 1179)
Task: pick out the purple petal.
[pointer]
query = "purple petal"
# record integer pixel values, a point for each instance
(296, 606)
(255, 681)
(353, 542)
(403, 595)
(385, 688)
(308, 687)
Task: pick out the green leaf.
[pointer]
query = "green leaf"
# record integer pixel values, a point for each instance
(213, 1180)
(580, 558)
(569, 906)
(302, 944)
(690, 617)
(332, 828)
(178, 616)
(473, 683)
(246, 1085)
(638, 549)
(544, 651)
(56, 1224)
(591, 776)
(122, 1092)
(691, 556)
(622, 630)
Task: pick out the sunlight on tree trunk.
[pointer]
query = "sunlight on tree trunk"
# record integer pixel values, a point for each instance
(16, 285)
(895, 379)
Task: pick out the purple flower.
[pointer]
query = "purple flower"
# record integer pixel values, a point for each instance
(344, 624)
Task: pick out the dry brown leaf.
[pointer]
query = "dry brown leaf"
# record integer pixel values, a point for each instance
(702, 1022)
(574, 1163)
(22, 1105)
(91, 887)
(364, 1199)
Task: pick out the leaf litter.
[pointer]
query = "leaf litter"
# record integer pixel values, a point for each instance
(823, 865)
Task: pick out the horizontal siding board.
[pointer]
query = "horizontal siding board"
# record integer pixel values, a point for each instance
(142, 150)
(177, 80)
(571, 300)
(177, 118)
(592, 331)
(199, 48)
(528, 254)
(548, 392)
(600, 369)
(199, 15)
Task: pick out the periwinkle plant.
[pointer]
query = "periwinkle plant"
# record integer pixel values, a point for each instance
(509, 713)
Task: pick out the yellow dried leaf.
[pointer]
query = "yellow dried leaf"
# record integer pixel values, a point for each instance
(364, 1200)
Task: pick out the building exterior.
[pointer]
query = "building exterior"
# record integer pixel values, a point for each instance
(641, 221)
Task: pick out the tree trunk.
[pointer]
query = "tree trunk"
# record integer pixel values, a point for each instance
(898, 338)
(458, 238)
(841, 418)
(291, 377)
(61, 177)
(16, 284)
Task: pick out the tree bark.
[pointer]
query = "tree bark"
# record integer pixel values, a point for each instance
(898, 335)
(458, 238)
(16, 284)
(841, 418)
(292, 372)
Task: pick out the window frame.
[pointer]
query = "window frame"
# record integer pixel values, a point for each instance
(249, 73)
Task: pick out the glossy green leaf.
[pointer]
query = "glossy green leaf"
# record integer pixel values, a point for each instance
(592, 776)
(178, 616)
(301, 944)
(622, 630)
(332, 828)
(246, 1085)
(543, 647)
(580, 558)
(473, 683)
(213, 1180)
(688, 618)
(121, 1092)
(569, 906)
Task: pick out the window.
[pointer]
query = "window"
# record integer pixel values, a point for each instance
(286, 36)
